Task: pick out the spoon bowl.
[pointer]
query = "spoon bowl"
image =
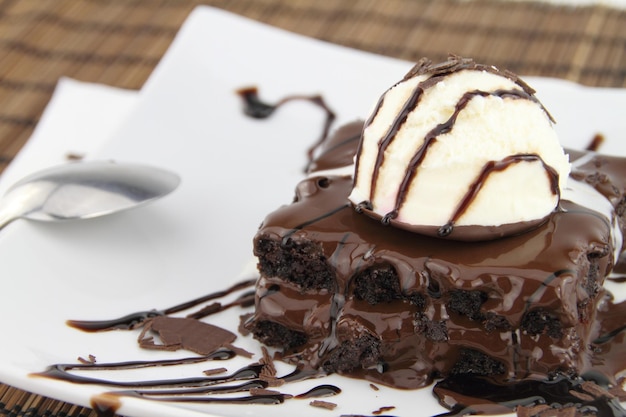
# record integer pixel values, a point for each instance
(82, 190)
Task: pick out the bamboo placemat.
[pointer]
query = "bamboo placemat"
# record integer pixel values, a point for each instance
(118, 42)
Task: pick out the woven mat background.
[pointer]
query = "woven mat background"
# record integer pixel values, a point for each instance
(118, 42)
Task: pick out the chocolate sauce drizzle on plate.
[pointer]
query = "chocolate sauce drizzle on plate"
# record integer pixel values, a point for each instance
(137, 319)
(320, 391)
(198, 389)
(576, 393)
(258, 109)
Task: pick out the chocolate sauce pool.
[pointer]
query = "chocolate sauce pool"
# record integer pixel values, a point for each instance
(461, 394)
(487, 397)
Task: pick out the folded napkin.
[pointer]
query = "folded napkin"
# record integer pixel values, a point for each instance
(77, 121)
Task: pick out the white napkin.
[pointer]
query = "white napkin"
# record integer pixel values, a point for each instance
(78, 120)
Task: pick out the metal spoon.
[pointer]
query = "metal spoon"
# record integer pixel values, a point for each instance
(84, 190)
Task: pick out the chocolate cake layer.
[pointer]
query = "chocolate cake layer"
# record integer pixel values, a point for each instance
(340, 292)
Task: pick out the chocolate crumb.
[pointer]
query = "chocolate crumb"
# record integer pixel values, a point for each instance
(74, 156)
(596, 141)
(91, 359)
(323, 404)
(374, 387)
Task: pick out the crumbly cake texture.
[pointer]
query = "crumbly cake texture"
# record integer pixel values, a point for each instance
(340, 292)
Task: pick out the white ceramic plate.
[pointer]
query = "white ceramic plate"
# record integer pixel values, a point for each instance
(198, 240)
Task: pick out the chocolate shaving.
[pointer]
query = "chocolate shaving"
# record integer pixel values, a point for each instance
(323, 404)
(242, 323)
(456, 63)
(581, 395)
(269, 369)
(272, 381)
(185, 333)
(374, 387)
(91, 359)
(383, 409)
(544, 410)
(595, 390)
(73, 156)
(214, 371)
(268, 372)
(263, 391)
(617, 390)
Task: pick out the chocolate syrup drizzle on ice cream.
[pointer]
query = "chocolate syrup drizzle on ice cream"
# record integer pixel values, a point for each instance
(591, 194)
(441, 127)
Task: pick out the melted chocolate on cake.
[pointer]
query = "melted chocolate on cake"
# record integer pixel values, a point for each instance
(489, 310)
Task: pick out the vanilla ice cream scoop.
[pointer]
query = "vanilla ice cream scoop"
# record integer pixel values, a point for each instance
(459, 150)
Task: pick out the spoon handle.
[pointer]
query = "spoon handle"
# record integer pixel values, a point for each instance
(5, 222)
(5, 219)
(10, 210)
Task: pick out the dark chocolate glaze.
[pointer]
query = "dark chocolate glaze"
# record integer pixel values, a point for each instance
(554, 271)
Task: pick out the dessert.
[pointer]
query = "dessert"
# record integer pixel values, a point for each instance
(352, 283)
(506, 313)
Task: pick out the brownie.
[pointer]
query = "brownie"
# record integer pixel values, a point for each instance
(342, 293)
